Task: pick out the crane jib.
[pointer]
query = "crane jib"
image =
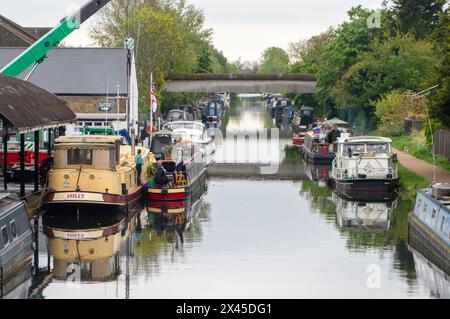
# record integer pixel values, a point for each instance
(90, 9)
(37, 52)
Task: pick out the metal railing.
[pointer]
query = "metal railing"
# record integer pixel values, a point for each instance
(358, 173)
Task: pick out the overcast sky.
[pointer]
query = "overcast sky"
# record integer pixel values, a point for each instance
(242, 28)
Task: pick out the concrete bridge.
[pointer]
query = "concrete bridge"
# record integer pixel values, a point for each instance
(253, 171)
(241, 83)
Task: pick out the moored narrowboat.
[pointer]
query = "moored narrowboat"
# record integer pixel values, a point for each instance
(95, 171)
(365, 168)
(15, 239)
(429, 225)
(316, 149)
(185, 186)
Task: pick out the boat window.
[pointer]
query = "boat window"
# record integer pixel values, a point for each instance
(79, 156)
(419, 205)
(442, 223)
(425, 208)
(13, 228)
(433, 215)
(5, 236)
(378, 148)
(354, 149)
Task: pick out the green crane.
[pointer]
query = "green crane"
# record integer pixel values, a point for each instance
(37, 52)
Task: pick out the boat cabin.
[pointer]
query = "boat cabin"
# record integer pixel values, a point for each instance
(96, 152)
(15, 234)
(177, 115)
(365, 157)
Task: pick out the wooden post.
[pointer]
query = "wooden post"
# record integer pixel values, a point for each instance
(49, 149)
(36, 160)
(22, 165)
(36, 242)
(118, 108)
(5, 161)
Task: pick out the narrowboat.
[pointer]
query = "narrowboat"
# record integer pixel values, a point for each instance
(16, 238)
(87, 249)
(95, 171)
(316, 149)
(429, 225)
(186, 185)
(365, 168)
(160, 141)
(213, 113)
(364, 215)
(302, 123)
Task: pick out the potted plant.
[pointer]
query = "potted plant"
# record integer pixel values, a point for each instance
(151, 171)
(168, 152)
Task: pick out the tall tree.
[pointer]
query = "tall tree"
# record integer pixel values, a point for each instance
(418, 16)
(440, 106)
(274, 60)
(170, 37)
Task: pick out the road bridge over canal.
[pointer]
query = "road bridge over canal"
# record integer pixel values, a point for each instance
(241, 83)
(255, 171)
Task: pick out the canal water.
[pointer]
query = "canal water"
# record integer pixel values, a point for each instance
(256, 238)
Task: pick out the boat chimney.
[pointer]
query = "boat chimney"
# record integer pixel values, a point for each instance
(133, 143)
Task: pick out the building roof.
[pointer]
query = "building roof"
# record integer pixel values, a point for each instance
(27, 107)
(14, 35)
(78, 71)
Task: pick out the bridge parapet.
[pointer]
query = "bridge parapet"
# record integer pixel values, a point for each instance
(241, 83)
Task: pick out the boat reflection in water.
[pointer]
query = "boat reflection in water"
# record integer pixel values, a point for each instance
(18, 286)
(434, 278)
(364, 215)
(319, 174)
(85, 247)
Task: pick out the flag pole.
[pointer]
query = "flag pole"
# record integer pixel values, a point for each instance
(151, 110)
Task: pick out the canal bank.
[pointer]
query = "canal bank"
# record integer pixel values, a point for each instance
(257, 238)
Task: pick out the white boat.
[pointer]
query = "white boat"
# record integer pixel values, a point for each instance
(194, 133)
(364, 215)
(365, 168)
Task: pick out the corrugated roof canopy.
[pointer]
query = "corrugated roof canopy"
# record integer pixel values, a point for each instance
(28, 107)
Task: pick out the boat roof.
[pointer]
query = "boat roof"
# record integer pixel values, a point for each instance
(185, 122)
(90, 139)
(366, 139)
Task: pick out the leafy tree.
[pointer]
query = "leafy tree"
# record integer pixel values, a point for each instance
(440, 105)
(274, 60)
(170, 37)
(394, 107)
(205, 61)
(398, 63)
(418, 16)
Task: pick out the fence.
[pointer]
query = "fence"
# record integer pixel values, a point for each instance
(442, 142)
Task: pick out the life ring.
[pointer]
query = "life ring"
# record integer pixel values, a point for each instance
(150, 129)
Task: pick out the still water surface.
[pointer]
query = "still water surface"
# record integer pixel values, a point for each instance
(262, 239)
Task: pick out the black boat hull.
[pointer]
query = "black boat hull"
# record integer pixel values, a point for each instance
(366, 189)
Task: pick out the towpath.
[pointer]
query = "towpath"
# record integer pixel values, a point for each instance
(422, 168)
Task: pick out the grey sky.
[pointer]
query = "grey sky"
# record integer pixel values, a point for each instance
(242, 28)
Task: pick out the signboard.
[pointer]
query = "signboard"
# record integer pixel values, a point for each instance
(105, 107)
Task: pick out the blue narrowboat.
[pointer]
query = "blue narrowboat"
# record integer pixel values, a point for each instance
(429, 225)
